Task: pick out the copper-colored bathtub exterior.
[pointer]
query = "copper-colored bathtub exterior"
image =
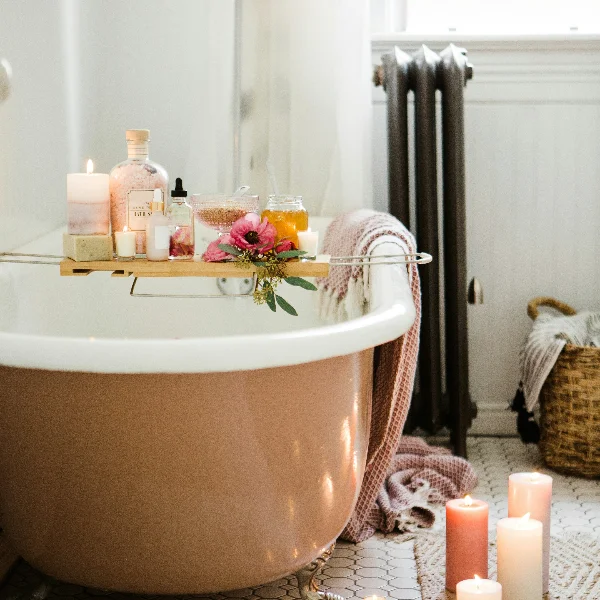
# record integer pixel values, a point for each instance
(190, 483)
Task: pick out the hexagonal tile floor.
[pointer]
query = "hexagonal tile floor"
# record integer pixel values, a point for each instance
(384, 565)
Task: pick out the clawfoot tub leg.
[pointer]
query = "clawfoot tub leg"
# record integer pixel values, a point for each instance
(38, 591)
(307, 585)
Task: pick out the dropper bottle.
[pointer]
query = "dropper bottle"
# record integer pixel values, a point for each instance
(181, 215)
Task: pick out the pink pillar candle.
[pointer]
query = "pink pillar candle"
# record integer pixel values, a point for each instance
(466, 540)
(87, 203)
(532, 493)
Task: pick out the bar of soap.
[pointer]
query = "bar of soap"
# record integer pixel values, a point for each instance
(82, 248)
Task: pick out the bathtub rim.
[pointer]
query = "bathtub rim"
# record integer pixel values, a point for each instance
(392, 314)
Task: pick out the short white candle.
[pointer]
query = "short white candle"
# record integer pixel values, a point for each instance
(308, 241)
(478, 589)
(532, 493)
(375, 598)
(125, 243)
(87, 202)
(519, 544)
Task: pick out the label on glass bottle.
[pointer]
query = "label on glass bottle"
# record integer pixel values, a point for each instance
(162, 237)
(138, 208)
(180, 214)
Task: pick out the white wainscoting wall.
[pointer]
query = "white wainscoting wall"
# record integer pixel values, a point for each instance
(532, 128)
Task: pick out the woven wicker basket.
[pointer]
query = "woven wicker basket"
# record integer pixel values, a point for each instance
(570, 405)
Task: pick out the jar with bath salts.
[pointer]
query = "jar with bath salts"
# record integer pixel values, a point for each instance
(132, 184)
(288, 215)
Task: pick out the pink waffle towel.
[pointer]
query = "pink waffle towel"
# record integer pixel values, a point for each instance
(397, 485)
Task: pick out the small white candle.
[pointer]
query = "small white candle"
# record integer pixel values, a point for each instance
(532, 493)
(125, 243)
(87, 202)
(308, 241)
(519, 544)
(478, 589)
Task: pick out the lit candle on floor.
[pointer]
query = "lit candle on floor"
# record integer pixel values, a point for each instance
(87, 202)
(125, 243)
(308, 241)
(478, 589)
(466, 540)
(520, 558)
(532, 493)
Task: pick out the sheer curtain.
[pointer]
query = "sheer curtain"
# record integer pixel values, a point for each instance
(306, 100)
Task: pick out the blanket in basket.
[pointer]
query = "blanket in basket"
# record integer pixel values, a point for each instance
(548, 337)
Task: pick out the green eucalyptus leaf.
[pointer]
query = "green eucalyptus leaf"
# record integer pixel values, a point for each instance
(300, 282)
(271, 301)
(291, 254)
(230, 249)
(285, 305)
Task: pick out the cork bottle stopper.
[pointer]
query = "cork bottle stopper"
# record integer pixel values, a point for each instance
(137, 135)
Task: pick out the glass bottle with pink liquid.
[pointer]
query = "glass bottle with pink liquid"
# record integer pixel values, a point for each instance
(181, 216)
(132, 184)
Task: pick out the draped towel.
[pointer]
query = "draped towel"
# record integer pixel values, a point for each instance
(395, 488)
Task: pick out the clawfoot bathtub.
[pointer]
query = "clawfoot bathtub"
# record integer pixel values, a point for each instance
(180, 446)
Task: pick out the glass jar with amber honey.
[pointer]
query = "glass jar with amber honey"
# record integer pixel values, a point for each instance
(288, 215)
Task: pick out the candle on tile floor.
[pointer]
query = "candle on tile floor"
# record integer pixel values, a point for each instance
(466, 540)
(87, 202)
(478, 589)
(532, 493)
(519, 544)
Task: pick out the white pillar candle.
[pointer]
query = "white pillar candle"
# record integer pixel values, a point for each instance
(88, 202)
(532, 493)
(478, 589)
(519, 544)
(125, 243)
(308, 241)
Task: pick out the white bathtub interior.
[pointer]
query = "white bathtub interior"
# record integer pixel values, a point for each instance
(91, 323)
(36, 300)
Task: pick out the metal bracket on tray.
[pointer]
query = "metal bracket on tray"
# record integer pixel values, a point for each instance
(416, 258)
(13, 257)
(138, 295)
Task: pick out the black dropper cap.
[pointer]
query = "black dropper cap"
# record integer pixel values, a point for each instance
(178, 192)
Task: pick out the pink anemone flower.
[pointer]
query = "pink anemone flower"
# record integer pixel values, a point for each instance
(249, 233)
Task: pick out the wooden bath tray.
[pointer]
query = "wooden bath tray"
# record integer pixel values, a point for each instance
(141, 267)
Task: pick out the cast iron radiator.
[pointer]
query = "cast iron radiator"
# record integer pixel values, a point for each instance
(443, 282)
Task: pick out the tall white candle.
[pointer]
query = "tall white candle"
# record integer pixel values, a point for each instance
(88, 202)
(308, 241)
(125, 243)
(532, 493)
(519, 544)
(478, 589)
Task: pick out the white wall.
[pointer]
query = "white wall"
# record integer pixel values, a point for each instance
(533, 196)
(33, 124)
(87, 70)
(167, 66)
(305, 84)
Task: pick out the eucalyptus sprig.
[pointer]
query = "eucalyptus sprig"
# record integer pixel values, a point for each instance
(270, 272)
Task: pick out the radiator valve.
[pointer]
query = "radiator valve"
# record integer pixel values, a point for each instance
(475, 293)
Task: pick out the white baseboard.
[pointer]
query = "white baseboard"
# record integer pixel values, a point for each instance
(494, 419)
